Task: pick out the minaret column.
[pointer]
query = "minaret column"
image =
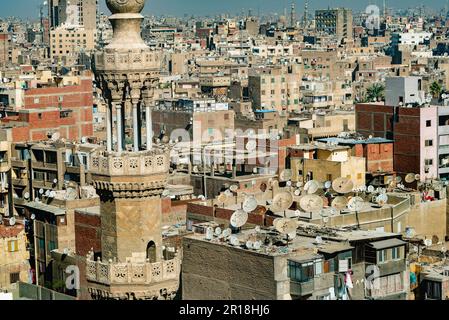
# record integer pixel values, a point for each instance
(109, 126)
(149, 126)
(136, 128)
(118, 110)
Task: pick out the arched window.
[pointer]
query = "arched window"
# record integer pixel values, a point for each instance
(151, 252)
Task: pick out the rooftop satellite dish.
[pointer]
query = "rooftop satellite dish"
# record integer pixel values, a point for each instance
(47, 193)
(263, 187)
(286, 226)
(328, 184)
(289, 183)
(281, 202)
(428, 242)
(318, 240)
(255, 170)
(249, 244)
(417, 177)
(325, 219)
(363, 188)
(339, 203)
(217, 231)
(382, 199)
(228, 193)
(55, 181)
(239, 218)
(312, 186)
(201, 197)
(227, 232)
(286, 175)
(250, 204)
(12, 221)
(52, 194)
(195, 169)
(410, 178)
(311, 203)
(299, 184)
(234, 188)
(41, 191)
(26, 195)
(356, 204)
(55, 136)
(33, 216)
(398, 179)
(251, 145)
(342, 185)
(297, 192)
(233, 240)
(257, 245)
(209, 233)
(370, 189)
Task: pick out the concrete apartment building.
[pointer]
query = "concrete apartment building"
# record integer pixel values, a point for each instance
(326, 162)
(378, 153)
(304, 270)
(5, 171)
(204, 119)
(275, 89)
(14, 255)
(338, 22)
(5, 49)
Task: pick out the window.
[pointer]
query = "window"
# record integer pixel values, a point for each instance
(428, 123)
(318, 267)
(14, 277)
(301, 272)
(395, 253)
(429, 143)
(428, 162)
(39, 115)
(381, 256)
(13, 246)
(359, 176)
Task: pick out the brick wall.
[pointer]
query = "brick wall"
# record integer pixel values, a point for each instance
(88, 233)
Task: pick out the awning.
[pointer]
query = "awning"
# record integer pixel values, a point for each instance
(385, 244)
(45, 208)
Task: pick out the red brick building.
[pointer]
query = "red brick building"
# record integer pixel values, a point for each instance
(413, 130)
(67, 110)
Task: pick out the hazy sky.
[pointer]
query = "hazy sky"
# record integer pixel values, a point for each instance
(29, 8)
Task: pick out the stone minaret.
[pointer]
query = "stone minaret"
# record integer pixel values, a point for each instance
(129, 178)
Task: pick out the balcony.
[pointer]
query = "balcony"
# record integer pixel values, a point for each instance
(19, 163)
(132, 273)
(44, 165)
(302, 289)
(130, 164)
(443, 130)
(391, 267)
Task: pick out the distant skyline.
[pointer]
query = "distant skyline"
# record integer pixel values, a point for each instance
(29, 8)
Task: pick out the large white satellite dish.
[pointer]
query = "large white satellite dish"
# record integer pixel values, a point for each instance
(239, 218)
(250, 204)
(342, 185)
(286, 226)
(281, 202)
(311, 203)
(356, 204)
(312, 186)
(233, 240)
